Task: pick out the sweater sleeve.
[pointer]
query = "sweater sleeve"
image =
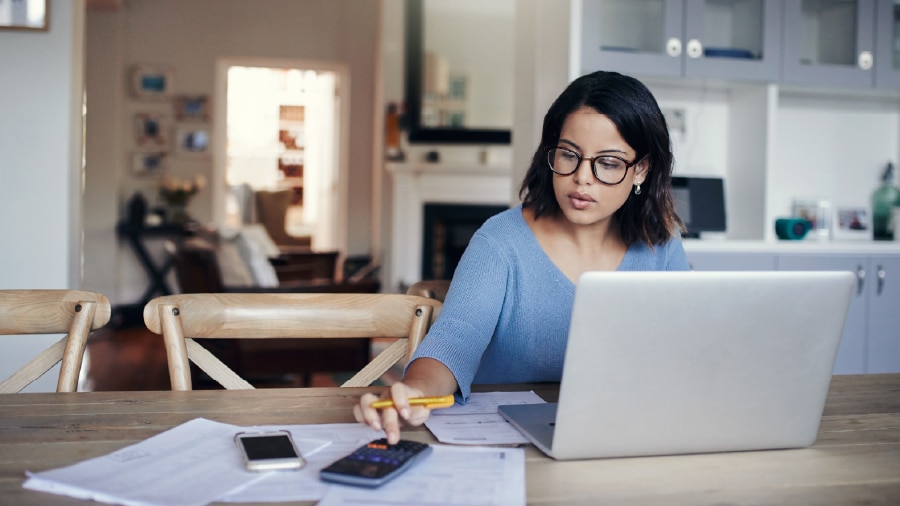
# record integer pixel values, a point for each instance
(470, 312)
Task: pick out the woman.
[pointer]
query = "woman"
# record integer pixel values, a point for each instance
(597, 197)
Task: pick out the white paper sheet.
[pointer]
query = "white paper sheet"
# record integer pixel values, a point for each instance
(304, 484)
(451, 475)
(477, 422)
(192, 464)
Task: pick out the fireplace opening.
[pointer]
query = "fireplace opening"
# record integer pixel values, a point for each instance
(447, 231)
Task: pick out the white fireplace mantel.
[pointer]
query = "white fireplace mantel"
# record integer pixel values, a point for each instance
(415, 184)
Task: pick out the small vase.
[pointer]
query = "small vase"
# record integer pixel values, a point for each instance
(178, 214)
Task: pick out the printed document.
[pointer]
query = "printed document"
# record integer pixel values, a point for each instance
(478, 422)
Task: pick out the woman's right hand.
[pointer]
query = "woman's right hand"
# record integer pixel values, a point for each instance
(390, 419)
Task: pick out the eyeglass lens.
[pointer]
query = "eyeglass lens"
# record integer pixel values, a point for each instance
(607, 169)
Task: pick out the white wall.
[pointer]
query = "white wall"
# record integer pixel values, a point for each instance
(40, 167)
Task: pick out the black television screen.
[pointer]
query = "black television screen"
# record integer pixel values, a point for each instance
(700, 203)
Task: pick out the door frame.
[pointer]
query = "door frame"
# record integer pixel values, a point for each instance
(336, 212)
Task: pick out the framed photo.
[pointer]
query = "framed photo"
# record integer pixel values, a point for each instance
(818, 213)
(23, 15)
(148, 163)
(192, 108)
(192, 139)
(852, 222)
(151, 129)
(151, 82)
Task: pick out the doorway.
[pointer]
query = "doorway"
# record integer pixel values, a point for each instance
(280, 127)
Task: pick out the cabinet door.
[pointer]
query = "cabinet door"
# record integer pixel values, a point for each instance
(733, 39)
(887, 48)
(632, 36)
(718, 261)
(829, 42)
(851, 358)
(883, 344)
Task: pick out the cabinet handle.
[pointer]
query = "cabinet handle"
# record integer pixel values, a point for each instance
(860, 278)
(673, 47)
(694, 48)
(881, 276)
(865, 60)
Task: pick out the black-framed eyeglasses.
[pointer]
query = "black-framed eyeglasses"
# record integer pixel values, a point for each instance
(608, 169)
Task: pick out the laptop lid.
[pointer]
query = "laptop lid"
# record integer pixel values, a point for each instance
(689, 362)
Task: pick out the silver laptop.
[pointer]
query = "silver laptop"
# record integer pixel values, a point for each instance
(662, 363)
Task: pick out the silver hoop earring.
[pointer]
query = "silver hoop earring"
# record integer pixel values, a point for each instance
(637, 189)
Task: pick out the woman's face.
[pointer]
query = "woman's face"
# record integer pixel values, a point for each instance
(582, 198)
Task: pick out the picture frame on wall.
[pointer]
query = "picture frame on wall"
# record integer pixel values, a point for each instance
(24, 15)
(852, 222)
(151, 82)
(148, 163)
(192, 108)
(151, 129)
(192, 139)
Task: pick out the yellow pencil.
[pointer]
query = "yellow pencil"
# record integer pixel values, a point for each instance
(429, 402)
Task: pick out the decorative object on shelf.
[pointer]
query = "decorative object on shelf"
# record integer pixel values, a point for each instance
(884, 198)
(791, 229)
(176, 194)
(23, 15)
(151, 82)
(148, 163)
(137, 210)
(393, 133)
(192, 108)
(192, 139)
(151, 129)
(817, 212)
(852, 222)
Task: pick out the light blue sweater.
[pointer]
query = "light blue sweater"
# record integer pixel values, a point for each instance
(506, 316)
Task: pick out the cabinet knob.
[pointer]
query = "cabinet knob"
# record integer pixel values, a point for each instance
(860, 279)
(694, 48)
(673, 47)
(865, 60)
(881, 274)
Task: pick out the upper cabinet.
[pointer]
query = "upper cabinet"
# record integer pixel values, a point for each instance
(841, 44)
(830, 43)
(887, 44)
(717, 39)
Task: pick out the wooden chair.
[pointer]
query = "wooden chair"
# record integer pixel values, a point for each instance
(431, 288)
(182, 318)
(73, 312)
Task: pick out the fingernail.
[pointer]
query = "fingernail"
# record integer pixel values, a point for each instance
(404, 413)
(376, 425)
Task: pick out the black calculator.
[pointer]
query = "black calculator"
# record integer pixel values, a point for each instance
(375, 463)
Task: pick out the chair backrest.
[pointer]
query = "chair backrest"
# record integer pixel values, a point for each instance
(182, 318)
(73, 312)
(431, 288)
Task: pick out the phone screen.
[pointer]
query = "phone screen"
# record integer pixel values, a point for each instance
(268, 447)
(269, 450)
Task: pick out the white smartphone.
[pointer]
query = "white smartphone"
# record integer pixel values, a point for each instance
(265, 451)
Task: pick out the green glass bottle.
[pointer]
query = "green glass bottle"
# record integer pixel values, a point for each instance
(885, 197)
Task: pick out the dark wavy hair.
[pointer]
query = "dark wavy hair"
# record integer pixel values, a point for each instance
(650, 216)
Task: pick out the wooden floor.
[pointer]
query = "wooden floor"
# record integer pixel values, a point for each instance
(133, 358)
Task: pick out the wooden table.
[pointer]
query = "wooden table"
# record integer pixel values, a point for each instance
(856, 459)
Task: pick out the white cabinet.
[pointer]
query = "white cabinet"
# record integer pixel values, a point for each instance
(883, 350)
(871, 338)
(718, 261)
(851, 357)
(721, 39)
